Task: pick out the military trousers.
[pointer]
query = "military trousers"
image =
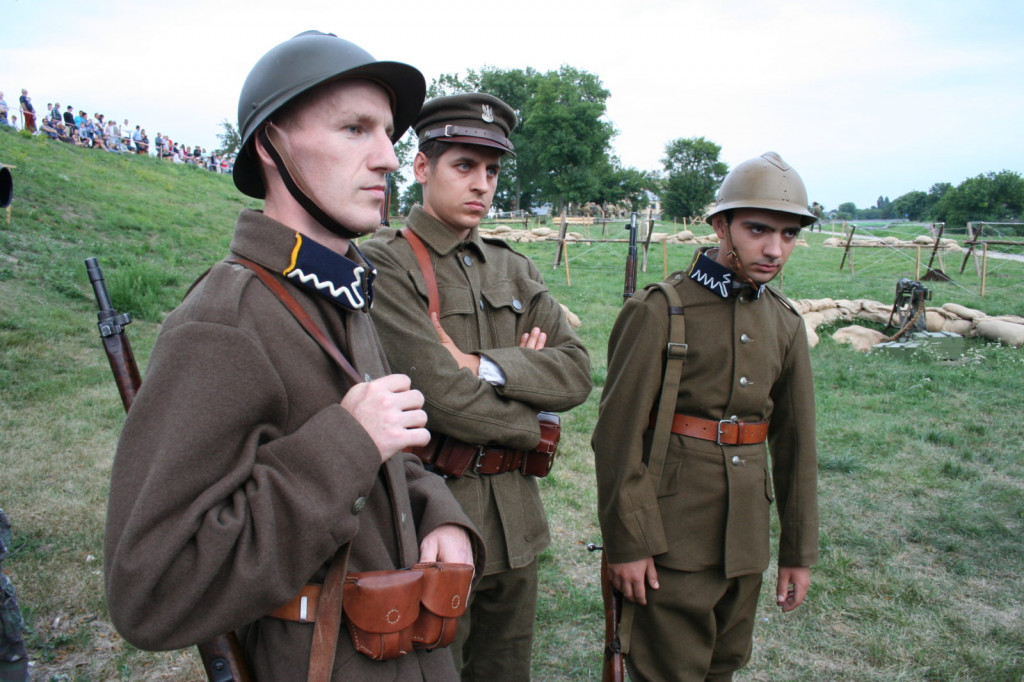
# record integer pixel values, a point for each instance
(697, 627)
(494, 640)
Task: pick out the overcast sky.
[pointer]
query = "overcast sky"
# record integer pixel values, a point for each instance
(863, 97)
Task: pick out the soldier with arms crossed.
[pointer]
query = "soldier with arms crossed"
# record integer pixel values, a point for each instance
(249, 458)
(500, 351)
(688, 550)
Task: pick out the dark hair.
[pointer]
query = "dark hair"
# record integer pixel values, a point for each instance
(433, 150)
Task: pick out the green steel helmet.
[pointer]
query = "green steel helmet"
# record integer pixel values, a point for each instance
(766, 182)
(302, 63)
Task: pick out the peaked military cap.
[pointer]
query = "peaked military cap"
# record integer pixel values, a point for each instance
(472, 118)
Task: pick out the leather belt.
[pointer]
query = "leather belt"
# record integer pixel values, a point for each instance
(724, 432)
(495, 460)
(302, 608)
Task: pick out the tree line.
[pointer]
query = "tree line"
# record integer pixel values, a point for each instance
(564, 159)
(989, 197)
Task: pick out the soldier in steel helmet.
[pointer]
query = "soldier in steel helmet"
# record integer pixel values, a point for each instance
(250, 458)
(687, 549)
(498, 351)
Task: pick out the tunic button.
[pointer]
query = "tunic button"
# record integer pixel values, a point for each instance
(481, 304)
(367, 378)
(468, 261)
(517, 304)
(744, 382)
(358, 505)
(744, 338)
(736, 461)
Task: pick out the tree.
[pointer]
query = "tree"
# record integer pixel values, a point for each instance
(847, 211)
(993, 197)
(912, 205)
(230, 140)
(693, 174)
(562, 142)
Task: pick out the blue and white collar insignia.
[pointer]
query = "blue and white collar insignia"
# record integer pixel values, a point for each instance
(715, 277)
(333, 276)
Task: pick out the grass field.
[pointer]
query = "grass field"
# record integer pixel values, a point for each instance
(921, 476)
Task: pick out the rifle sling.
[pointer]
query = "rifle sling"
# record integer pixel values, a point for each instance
(419, 249)
(328, 622)
(675, 357)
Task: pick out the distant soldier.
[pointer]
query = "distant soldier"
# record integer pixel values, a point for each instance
(686, 528)
(819, 214)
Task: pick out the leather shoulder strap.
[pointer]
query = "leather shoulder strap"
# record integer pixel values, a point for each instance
(427, 268)
(301, 315)
(328, 618)
(675, 357)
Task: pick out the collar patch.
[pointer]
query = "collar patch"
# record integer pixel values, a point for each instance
(332, 276)
(712, 275)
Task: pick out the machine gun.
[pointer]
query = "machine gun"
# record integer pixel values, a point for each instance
(222, 656)
(909, 308)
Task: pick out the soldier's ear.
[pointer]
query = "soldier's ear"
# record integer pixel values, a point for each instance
(421, 167)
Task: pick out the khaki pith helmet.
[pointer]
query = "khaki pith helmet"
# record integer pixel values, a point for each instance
(302, 63)
(766, 182)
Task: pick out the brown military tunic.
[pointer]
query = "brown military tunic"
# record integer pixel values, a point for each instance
(490, 295)
(238, 475)
(747, 357)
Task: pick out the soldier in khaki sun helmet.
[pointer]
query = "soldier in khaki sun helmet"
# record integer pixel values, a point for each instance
(686, 482)
(266, 452)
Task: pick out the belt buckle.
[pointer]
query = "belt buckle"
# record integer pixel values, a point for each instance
(476, 459)
(731, 420)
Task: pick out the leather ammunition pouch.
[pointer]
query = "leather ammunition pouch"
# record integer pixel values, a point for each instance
(391, 613)
(452, 457)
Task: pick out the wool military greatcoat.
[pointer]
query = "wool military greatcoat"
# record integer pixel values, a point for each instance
(747, 358)
(490, 295)
(238, 475)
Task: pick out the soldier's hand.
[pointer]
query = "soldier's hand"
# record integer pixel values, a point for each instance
(449, 543)
(465, 360)
(633, 578)
(390, 410)
(792, 585)
(535, 339)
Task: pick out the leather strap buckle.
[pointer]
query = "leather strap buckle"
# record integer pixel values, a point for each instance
(732, 420)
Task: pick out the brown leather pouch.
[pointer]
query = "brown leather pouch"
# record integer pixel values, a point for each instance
(454, 456)
(380, 608)
(538, 462)
(389, 613)
(444, 599)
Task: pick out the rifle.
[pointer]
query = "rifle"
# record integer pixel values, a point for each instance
(613, 669)
(385, 208)
(630, 284)
(222, 656)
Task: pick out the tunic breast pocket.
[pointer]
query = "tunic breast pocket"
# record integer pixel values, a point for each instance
(509, 303)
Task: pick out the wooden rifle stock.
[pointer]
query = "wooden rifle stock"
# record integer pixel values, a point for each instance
(222, 656)
(613, 669)
(630, 285)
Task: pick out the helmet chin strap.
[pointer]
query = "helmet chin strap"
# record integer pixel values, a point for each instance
(734, 260)
(296, 184)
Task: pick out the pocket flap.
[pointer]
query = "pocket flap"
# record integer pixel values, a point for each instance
(382, 601)
(445, 587)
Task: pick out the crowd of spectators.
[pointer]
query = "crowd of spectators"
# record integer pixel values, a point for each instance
(101, 132)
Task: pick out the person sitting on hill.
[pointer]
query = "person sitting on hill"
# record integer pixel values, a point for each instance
(54, 129)
(3, 110)
(142, 144)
